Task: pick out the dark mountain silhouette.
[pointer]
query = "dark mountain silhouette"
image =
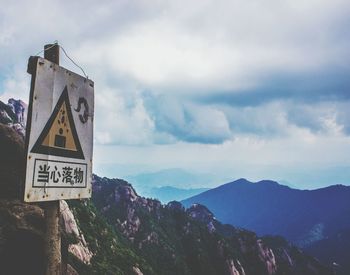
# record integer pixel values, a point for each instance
(311, 219)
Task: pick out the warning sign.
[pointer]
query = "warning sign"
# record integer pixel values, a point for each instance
(59, 134)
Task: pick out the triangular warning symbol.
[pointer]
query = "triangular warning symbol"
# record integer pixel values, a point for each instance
(59, 136)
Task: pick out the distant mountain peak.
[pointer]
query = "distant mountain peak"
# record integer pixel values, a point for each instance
(241, 180)
(268, 182)
(264, 181)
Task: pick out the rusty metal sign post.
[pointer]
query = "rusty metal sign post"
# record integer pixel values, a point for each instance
(59, 142)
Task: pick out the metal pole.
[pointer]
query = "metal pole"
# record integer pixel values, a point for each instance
(52, 208)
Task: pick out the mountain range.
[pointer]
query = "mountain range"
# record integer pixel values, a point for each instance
(316, 220)
(175, 240)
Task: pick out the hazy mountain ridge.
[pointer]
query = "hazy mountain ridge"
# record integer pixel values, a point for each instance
(183, 182)
(308, 218)
(175, 177)
(169, 193)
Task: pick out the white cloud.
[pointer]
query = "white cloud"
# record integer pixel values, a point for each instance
(223, 45)
(181, 46)
(180, 50)
(208, 125)
(16, 85)
(120, 122)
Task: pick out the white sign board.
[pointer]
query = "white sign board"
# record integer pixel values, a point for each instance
(60, 129)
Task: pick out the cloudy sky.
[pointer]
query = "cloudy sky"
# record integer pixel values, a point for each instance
(233, 88)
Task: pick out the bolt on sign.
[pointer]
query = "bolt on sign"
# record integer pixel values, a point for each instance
(59, 133)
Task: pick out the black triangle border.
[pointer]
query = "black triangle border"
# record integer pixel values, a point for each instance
(46, 150)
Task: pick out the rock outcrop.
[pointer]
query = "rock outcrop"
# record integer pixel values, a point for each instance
(14, 115)
(267, 256)
(70, 227)
(201, 213)
(21, 238)
(125, 199)
(22, 230)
